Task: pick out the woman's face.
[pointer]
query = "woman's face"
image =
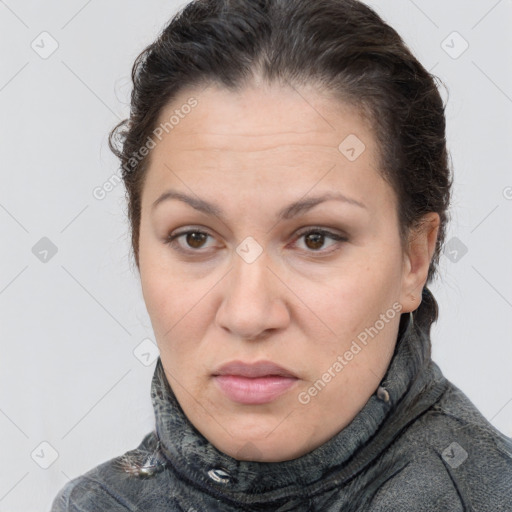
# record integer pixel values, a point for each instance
(292, 257)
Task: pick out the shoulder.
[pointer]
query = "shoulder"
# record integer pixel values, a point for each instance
(82, 494)
(119, 484)
(452, 458)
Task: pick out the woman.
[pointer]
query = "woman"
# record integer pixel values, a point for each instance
(288, 183)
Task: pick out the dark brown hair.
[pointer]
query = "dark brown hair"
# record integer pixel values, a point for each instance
(342, 46)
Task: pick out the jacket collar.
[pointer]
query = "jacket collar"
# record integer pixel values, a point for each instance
(412, 383)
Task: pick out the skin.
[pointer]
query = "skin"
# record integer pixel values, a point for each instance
(303, 301)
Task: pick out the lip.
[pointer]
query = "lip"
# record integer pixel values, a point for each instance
(257, 369)
(253, 383)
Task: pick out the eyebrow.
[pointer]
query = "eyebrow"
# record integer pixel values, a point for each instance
(292, 210)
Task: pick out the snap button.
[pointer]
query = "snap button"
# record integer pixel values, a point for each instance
(382, 394)
(219, 475)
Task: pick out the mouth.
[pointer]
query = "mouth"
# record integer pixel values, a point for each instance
(254, 383)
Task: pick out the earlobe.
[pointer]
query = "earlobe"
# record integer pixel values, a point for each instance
(421, 247)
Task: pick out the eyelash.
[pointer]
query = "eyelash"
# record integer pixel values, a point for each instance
(171, 239)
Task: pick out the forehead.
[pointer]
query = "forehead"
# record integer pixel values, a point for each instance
(263, 115)
(265, 138)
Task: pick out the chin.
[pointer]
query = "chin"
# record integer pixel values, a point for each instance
(269, 447)
(262, 451)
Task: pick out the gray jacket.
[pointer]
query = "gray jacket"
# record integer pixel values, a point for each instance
(419, 444)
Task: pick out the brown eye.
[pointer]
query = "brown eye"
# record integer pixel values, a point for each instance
(196, 239)
(314, 240)
(188, 241)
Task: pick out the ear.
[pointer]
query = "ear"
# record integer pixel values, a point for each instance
(417, 258)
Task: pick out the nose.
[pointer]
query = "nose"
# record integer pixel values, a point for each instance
(254, 300)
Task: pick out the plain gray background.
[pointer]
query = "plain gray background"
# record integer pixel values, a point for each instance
(74, 389)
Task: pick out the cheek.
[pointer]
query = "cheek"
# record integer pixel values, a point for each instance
(163, 296)
(378, 268)
(161, 285)
(353, 299)
(180, 312)
(369, 274)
